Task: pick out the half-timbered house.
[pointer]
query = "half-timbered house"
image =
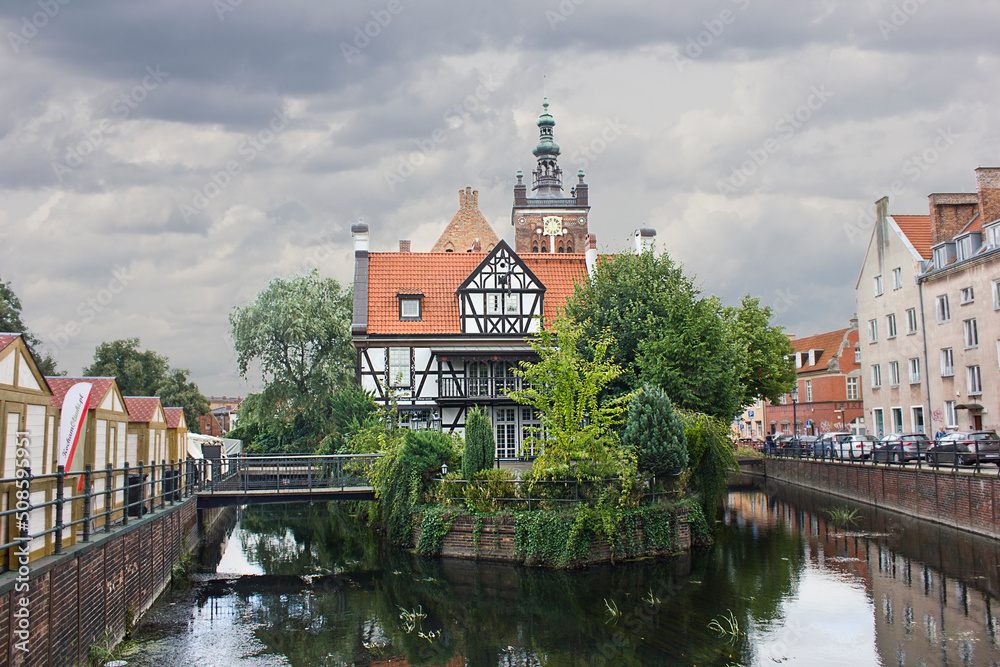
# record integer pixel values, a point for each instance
(439, 332)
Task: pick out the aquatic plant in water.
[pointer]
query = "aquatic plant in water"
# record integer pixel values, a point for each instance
(727, 627)
(843, 517)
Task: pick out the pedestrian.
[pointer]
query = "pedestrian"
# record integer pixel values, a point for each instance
(939, 434)
(768, 443)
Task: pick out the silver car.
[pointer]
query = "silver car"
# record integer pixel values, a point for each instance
(848, 446)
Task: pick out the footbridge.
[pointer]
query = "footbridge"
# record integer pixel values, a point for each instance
(254, 480)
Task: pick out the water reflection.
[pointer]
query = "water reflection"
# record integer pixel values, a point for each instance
(301, 585)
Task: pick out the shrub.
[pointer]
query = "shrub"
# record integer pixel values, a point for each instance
(489, 488)
(655, 432)
(479, 443)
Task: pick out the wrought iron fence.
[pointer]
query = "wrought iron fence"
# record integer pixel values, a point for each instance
(74, 504)
(945, 453)
(248, 474)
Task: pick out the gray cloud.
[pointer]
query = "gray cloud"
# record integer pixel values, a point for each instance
(694, 90)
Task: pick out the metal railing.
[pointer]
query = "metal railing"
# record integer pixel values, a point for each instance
(71, 496)
(256, 474)
(478, 387)
(531, 494)
(932, 454)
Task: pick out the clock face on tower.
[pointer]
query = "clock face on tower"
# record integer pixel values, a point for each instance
(552, 225)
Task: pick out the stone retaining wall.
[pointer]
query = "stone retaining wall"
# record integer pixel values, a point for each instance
(497, 541)
(959, 499)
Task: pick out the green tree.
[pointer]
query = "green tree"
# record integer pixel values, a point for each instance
(297, 333)
(764, 352)
(480, 447)
(565, 388)
(707, 358)
(710, 458)
(10, 322)
(655, 432)
(146, 373)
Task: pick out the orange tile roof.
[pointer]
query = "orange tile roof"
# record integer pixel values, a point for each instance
(7, 338)
(61, 385)
(917, 228)
(437, 275)
(173, 416)
(830, 344)
(141, 408)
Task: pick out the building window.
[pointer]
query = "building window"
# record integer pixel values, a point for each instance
(809, 391)
(409, 308)
(879, 418)
(857, 355)
(917, 419)
(852, 389)
(963, 248)
(897, 278)
(947, 363)
(968, 295)
(531, 427)
(996, 295)
(878, 285)
(399, 367)
(872, 331)
(876, 376)
(890, 325)
(897, 420)
(511, 303)
(971, 333)
(950, 414)
(893, 373)
(940, 257)
(992, 236)
(942, 309)
(914, 370)
(911, 321)
(974, 380)
(506, 432)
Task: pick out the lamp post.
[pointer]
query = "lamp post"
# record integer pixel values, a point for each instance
(795, 422)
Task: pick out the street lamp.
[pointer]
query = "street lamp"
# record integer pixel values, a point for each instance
(795, 404)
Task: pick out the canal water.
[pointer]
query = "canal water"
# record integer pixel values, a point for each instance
(306, 585)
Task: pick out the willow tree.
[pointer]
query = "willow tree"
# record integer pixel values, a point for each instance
(296, 335)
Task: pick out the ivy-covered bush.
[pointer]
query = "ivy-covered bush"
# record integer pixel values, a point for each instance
(490, 490)
(655, 432)
(710, 458)
(479, 443)
(401, 476)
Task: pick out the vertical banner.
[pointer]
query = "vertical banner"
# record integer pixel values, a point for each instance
(74, 412)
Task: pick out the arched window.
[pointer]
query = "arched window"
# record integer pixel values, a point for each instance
(534, 248)
(569, 247)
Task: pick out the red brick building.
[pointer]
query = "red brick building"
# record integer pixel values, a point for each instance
(221, 417)
(829, 383)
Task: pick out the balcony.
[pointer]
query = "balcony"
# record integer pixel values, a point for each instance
(478, 387)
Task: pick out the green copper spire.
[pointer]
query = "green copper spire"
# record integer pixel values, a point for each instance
(548, 175)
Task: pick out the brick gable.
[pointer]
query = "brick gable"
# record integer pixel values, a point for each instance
(466, 226)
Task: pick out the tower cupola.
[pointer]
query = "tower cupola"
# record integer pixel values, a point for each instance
(547, 175)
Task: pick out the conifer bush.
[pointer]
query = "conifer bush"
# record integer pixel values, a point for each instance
(479, 443)
(655, 432)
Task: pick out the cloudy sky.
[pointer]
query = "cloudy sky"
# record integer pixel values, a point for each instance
(163, 160)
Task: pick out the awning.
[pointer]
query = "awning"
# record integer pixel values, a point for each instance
(971, 407)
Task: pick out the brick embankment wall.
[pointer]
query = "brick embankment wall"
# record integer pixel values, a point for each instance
(959, 499)
(497, 541)
(88, 594)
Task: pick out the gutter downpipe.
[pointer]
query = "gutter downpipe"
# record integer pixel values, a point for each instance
(927, 368)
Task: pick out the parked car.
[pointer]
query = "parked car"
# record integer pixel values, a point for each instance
(846, 446)
(797, 446)
(901, 448)
(963, 448)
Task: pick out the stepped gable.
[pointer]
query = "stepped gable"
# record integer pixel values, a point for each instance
(467, 226)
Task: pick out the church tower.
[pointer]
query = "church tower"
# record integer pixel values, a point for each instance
(548, 221)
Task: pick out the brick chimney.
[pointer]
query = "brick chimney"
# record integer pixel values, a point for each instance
(988, 187)
(590, 254)
(404, 246)
(950, 213)
(359, 319)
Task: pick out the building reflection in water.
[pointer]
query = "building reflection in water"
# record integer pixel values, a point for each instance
(931, 590)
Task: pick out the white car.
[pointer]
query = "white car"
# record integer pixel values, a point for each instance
(848, 446)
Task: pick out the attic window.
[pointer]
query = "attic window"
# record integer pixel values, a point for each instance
(410, 307)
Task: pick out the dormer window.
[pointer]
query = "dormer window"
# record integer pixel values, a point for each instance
(410, 307)
(992, 234)
(509, 303)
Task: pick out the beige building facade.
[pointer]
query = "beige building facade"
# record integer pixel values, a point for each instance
(928, 299)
